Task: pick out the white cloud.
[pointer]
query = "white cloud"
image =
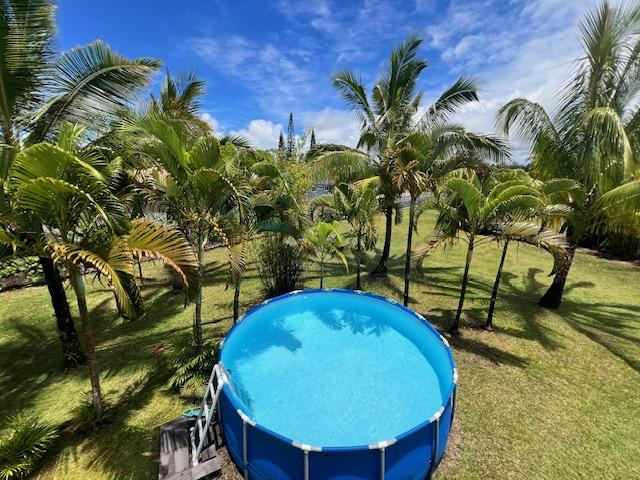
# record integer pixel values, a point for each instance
(278, 78)
(333, 126)
(213, 124)
(261, 133)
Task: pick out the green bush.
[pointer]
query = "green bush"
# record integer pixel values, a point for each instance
(190, 369)
(83, 415)
(29, 266)
(24, 442)
(280, 265)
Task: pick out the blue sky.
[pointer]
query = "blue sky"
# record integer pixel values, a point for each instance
(264, 59)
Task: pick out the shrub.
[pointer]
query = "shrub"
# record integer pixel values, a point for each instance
(22, 446)
(280, 265)
(190, 369)
(83, 415)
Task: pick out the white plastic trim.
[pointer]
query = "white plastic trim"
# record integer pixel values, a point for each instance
(437, 415)
(240, 319)
(305, 447)
(359, 292)
(421, 317)
(383, 444)
(295, 292)
(246, 418)
(445, 341)
(266, 301)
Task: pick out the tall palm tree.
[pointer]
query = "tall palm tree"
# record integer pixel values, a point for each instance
(192, 186)
(387, 119)
(38, 90)
(357, 205)
(430, 156)
(86, 227)
(594, 136)
(473, 208)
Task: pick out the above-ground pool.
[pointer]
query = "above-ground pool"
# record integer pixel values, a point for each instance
(336, 384)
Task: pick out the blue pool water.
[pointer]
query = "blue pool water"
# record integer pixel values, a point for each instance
(336, 369)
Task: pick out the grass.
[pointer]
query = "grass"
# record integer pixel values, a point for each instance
(548, 395)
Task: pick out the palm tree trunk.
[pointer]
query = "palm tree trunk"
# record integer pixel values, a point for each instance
(321, 273)
(140, 269)
(197, 322)
(407, 261)
(381, 268)
(72, 354)
(455, 328)
(236, 299)
(358, 260)
(553, 298)
(496, 285)
(77, 282)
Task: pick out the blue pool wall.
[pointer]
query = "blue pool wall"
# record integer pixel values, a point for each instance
(263, 454)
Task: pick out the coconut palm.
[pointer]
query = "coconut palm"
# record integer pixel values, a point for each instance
(428, 158)
(326, 243)
(39, 89)
(595, 133)
(538, 230)
(387, 120)
(85, 227)
(473, 208)
(191, 185)
(357, 205)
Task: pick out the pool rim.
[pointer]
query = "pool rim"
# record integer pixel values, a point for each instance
(449, 397)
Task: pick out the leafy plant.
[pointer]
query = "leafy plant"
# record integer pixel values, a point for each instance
(24, 443)
(326, 243)
(84, 416)
(190, 366)
(280, 265)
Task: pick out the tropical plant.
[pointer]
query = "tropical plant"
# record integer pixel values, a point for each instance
(357, 205)
(326, 243)
(387, 120)
(85, 227)
(594, 135)
(23, 444)
(280, 265)
(473, 208)
(190, 367)
(39, 90)
(191, 185)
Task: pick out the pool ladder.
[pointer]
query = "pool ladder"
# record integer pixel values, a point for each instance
(200, 432)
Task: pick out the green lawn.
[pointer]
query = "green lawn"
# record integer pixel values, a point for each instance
(548, 395)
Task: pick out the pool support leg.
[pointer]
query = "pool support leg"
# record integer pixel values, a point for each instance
(245, 460)
(306, 465)
(383, 467)
(436, 446)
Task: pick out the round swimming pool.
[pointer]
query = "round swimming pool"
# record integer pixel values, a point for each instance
(323, 384)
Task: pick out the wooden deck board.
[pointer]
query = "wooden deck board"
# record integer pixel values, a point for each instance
(175, 454)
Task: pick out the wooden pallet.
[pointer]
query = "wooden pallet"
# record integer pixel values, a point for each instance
(175, 454)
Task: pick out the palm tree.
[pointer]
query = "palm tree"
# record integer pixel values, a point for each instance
(38, 90)
(180, 99)
(387, 120)
(557, 206)
(432, 155)
(192, 186)
(326, 243)
(595, 133)
(357, 205)
(86, 227)
(474, 206)
(406, 175)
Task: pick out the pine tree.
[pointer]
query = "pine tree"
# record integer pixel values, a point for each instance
(281, 141)
(290, 137)
(313, 139)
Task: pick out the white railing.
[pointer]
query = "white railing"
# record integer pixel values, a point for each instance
(200, 431)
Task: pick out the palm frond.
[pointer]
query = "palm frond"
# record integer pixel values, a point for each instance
(89, 83)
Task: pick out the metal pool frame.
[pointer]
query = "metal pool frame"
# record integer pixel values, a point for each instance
(263, 454)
